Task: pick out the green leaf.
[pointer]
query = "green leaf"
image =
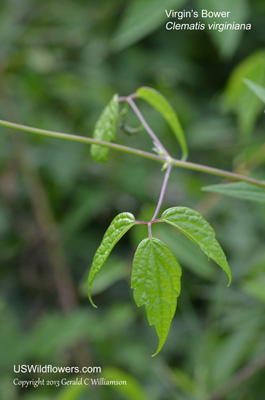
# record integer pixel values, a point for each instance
(188, 254)
(105, 129)
(118, 227)
(160, 103)
(140, 19)
(238, 98)
(226, 41)
(156, 282)
(240, 190)
(257, 89)
(194, 226)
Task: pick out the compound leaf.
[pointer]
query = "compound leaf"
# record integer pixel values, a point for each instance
(194, 226)
(105, 129)
(240, 190)
(118, 227)
(156, 282)
(160, 103)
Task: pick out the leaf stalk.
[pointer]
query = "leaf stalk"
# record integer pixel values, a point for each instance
(150, 230)
(151, 133)
(162, 193)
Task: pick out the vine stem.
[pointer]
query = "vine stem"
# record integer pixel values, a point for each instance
(150, 230)
(136, 152)
(162, 193)
(151, 133)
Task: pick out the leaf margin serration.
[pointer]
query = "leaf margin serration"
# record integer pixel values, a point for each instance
(105, 129)
(162, 327)
(208, 232)
(113, 234)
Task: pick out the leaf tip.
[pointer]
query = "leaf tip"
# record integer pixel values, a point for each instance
(91, 301)
(161, 344)
(157, 351)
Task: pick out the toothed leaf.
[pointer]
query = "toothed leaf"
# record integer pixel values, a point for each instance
(105, 129)
(156, 282)
(194, 226)
(118, 227)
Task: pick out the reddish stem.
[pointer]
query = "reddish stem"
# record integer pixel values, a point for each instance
(162, 193)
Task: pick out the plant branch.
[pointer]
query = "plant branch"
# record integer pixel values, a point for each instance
(136, 152)
(162, 193)
(217, 172)
(149, 230)
(145, 124)
(83, 139)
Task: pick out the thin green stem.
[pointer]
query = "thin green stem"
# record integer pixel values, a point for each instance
(82, 139)
(162, 193)
(136, 152)
(217, 172)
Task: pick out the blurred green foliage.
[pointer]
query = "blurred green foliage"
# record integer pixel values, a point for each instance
(60, 63)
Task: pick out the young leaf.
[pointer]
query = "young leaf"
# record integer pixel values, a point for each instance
(192, 224)
(118, 227)
(240, 190)
(156, 282)
(160, 103)
(105, 129)
(258, 90)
